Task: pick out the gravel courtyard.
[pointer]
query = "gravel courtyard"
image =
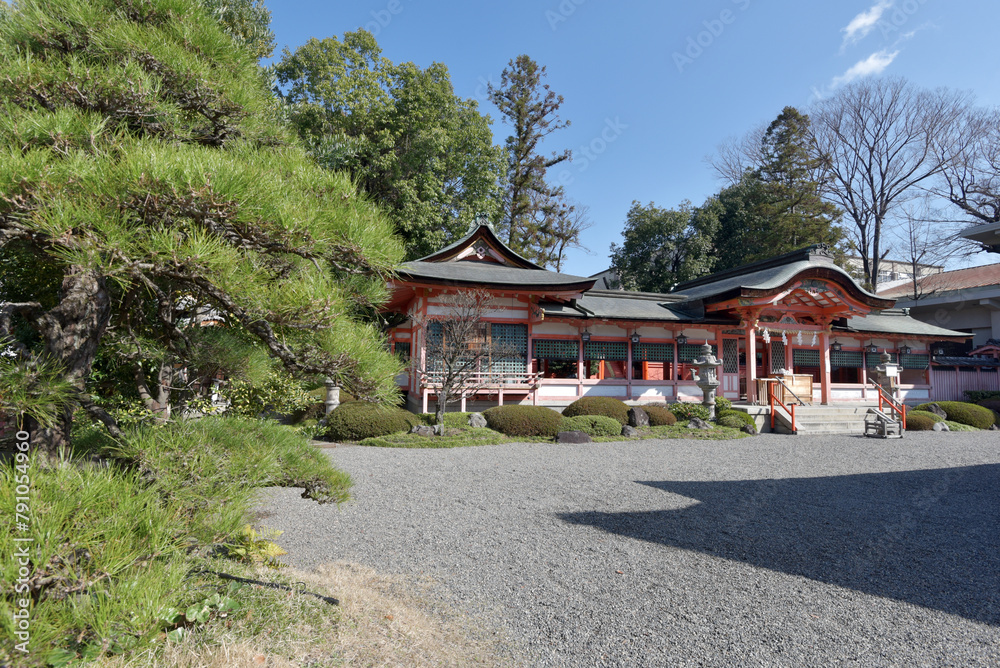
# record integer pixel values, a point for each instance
(766, 551)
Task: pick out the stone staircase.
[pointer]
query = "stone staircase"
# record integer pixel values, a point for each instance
(825, 419)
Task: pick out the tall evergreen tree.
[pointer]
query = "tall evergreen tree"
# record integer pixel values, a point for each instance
(423, 153)
(536, 219)
(143, 158)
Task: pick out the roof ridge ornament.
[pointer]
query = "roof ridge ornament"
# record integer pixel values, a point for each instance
(479, 221)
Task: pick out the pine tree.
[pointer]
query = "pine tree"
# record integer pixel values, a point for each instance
(142, 156)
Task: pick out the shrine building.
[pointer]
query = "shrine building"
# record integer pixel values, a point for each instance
(797, 316)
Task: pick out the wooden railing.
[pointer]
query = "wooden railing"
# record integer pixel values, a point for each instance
(886, 399)
(483, 380)
(774, 400)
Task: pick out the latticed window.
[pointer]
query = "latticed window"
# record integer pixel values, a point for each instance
(511, 338)
(653, 352)
(872, 360)
(605, 350)
(777, 356)
(504, 347)
(804, 357)
(914, 361)
(688, 352)
(730, 356)
(554, 349)
(847, 359)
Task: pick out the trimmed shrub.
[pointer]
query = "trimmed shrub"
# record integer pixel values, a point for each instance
(740, 416)
(684, 410)
(978, 396)
(722, 405)
(516, 420)
(595, 425)
(731, 420)
(919, 422)
(925, 414)
(358, 420)
(606, 406)
(964, 413)
(660, 416)
(993, 405)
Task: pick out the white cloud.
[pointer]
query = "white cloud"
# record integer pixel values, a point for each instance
(863, 23)
(873, 64)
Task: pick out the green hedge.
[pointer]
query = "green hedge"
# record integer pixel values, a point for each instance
(595, 425)
(739, 416)
(923, 414)
(993, 405)
(978, 396)
(606, 406)
(919, 422)
(722, 405)
(685, 410)
(358, 420)
(524, 420)
(660, 416)
(964, 413)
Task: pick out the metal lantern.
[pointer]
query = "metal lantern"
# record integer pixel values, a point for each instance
(681, 340)
(585, 337)
(836, 346)
(635, 338)
(872, 348)
(905, 350)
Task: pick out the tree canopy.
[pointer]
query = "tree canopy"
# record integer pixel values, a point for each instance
(144, 160)
(663, 247)
(410, 143)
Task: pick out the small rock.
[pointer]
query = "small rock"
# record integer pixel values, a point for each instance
(749, 429)
(477, 421)
(422, 430)
(698, 423)
(941, 426)
(994, 427)
(638, 417)
(937, 410)
(573, 437)
(629, 430)
(439, 430)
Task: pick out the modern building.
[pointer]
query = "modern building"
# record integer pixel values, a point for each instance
(793, 316)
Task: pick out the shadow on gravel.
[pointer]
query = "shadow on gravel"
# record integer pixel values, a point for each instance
(929, 537)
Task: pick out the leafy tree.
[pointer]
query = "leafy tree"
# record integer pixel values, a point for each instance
(409, 142)
(536, 218)
(143, 158)
(663, 247)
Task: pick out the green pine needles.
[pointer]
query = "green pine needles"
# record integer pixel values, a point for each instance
(142, 157)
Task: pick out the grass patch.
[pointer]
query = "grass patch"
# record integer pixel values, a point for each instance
(116, 544)
(958, 426)
(453, 438)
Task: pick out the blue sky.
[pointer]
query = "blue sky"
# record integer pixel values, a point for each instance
(652, 88)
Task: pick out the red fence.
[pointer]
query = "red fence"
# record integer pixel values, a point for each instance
(950, 383)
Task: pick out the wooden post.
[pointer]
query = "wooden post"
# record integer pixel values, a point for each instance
(751, 364)
(825, 368)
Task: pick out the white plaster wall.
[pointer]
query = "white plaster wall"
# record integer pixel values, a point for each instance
(557, 391)
(655, 333)
(605, 391)
(560, 328)
(656, 392)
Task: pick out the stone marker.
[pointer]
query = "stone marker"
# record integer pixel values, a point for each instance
(573, 437)
(629, 430)
(476, 420)
(638, 417)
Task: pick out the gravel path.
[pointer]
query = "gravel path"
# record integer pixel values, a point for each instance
(767, 551)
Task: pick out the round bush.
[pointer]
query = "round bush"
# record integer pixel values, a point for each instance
(740, 416)
(358, 420)
(919, 422)
(964, 413)
(524, 420)
(730, 420)
(606, 406)
(924, 414)
(595, 425)
(722, 405)
(993, 405)
(660, 416)
(684, 410)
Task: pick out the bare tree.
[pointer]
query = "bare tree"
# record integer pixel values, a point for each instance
(879, 140)
(970, 179)
(736, 156)
(924, 239)
(460, 349)
(565, 234)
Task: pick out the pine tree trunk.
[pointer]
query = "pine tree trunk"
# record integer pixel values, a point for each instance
(72, 331)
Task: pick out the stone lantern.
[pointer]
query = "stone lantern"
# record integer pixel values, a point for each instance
(887, 373)
(708, 377)
(332, 395)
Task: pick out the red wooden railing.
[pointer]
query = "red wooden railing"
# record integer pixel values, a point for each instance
(774, 400)
(886, 399)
